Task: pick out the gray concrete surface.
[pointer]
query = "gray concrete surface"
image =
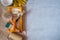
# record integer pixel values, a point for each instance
(3, 30)
(43, 20)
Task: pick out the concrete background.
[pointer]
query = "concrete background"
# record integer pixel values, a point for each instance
(43, 20)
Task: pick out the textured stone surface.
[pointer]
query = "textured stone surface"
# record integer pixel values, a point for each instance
(3, 35)
(3, 32)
